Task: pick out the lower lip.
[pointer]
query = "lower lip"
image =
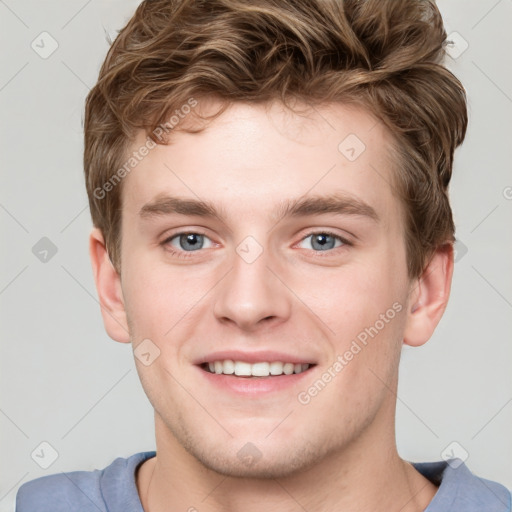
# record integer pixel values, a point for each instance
(254, 385)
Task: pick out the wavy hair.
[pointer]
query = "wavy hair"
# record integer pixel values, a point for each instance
(383, 55)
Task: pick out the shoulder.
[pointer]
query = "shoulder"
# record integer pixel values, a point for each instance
(460, 489)
(82, 491)
(78, 490)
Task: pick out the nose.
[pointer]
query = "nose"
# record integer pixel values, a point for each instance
(251, 295)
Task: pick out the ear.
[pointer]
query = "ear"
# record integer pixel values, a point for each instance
(428, 297)
(108, 285)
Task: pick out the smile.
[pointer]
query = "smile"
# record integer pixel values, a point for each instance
(260, 369)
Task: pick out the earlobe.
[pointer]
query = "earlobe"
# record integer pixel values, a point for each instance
(429, 297)
(108, 286)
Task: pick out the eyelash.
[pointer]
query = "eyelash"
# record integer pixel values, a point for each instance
(188, 254)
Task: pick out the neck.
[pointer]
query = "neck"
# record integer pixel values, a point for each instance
(368, 475)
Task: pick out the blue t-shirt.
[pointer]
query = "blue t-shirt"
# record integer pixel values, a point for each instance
(114, 489)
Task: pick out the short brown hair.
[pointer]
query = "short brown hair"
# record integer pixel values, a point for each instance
(383, 55)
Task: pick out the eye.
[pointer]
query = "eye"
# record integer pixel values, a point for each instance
(188, 242)
(324, 241)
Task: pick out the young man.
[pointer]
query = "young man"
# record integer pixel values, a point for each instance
(268, 185)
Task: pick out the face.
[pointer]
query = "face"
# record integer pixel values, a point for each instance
(270, 245)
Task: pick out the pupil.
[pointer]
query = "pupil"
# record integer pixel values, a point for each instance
(323, 241)
(192, 240)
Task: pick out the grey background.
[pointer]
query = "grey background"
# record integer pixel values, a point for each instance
(66, 383)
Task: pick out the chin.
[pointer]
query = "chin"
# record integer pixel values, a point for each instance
(257, 461)
(269, 467)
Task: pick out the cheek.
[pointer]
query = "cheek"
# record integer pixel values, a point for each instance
(159, 296)
(360, 372)
(363, 305)
(352, 297)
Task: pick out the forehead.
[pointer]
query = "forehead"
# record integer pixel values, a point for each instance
(258, 155)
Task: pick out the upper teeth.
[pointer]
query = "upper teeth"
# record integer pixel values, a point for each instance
(229, 367)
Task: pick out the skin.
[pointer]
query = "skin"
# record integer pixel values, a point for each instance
(337, 452)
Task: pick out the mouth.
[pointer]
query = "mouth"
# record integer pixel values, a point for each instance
(256, 370)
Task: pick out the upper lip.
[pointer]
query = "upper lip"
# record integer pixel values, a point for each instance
(267, 356)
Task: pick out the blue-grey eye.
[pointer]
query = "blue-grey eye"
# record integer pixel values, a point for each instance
(189, 241)
(323, 241)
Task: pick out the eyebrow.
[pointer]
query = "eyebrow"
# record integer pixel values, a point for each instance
(341, 204)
